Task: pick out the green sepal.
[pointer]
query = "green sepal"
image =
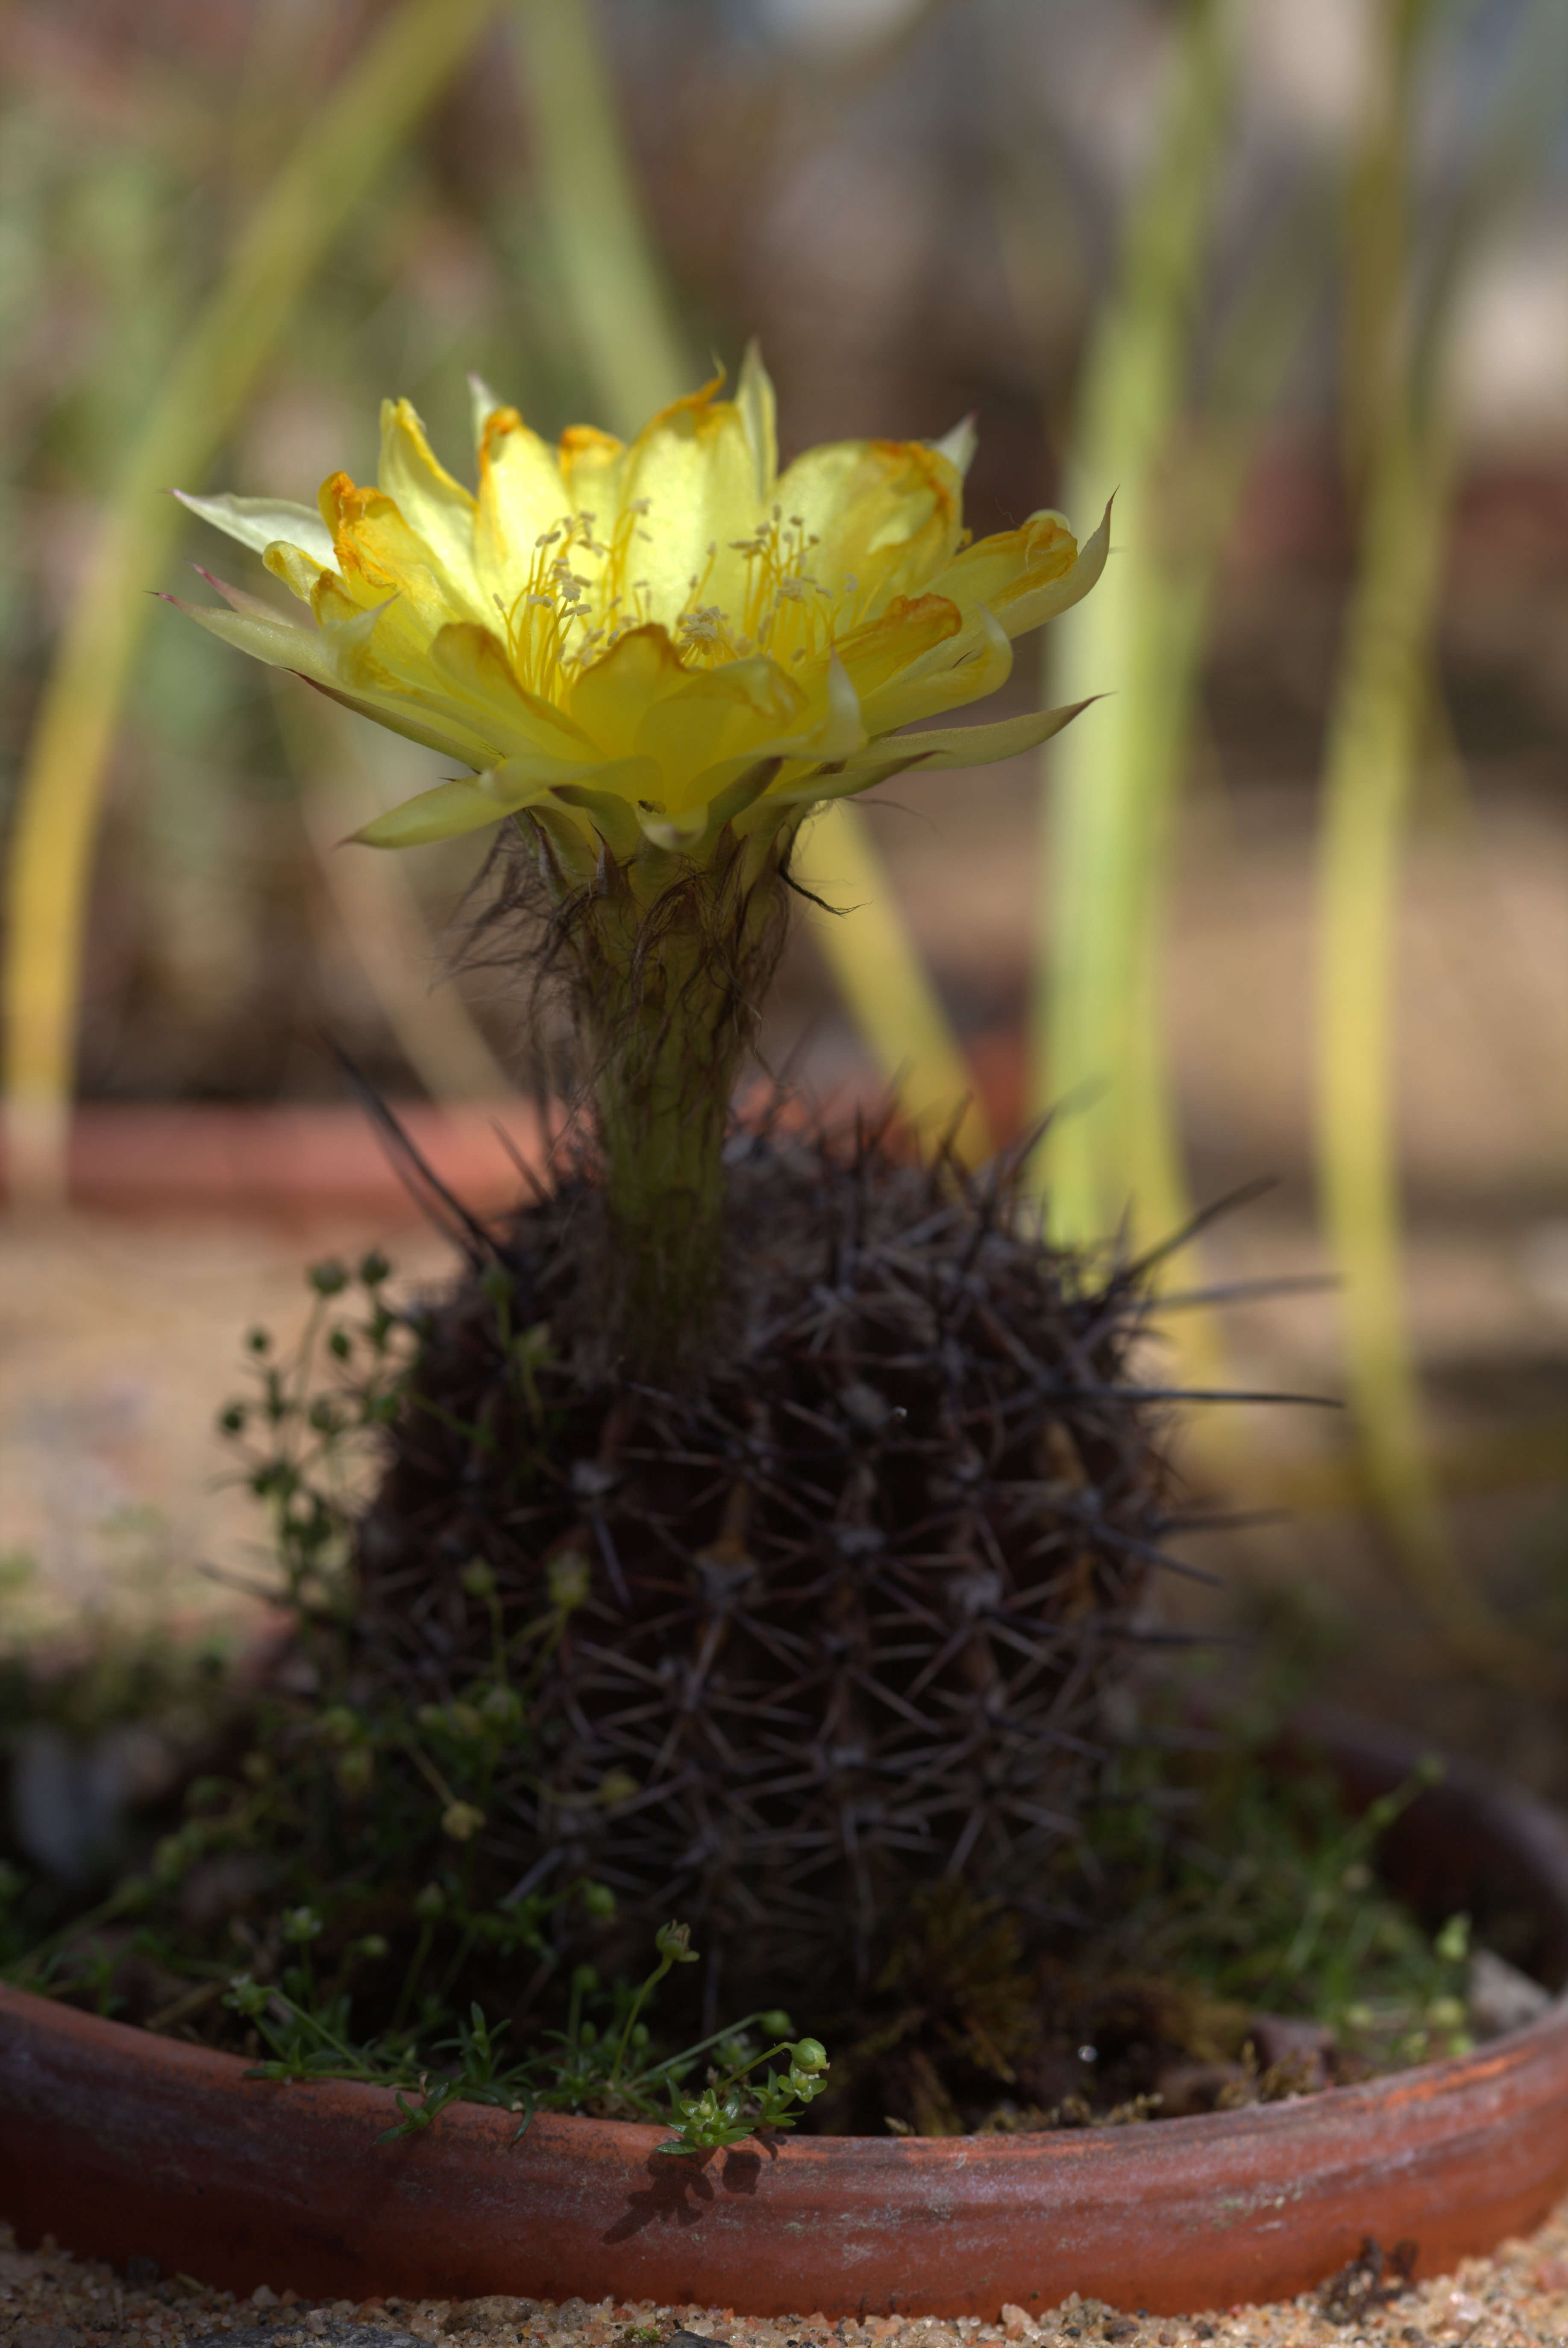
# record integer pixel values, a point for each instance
(615, 818)
(447, 812)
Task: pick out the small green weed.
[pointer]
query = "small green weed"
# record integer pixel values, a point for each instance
(337, 1844)
(325, 1896)
(1256, 1885)
(584, 2068)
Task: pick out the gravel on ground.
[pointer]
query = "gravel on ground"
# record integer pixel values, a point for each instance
(1516, 2299)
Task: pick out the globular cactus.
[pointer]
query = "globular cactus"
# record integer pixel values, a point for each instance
(836, 1621)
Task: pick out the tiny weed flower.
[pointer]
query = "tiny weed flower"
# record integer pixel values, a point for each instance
(654, 641)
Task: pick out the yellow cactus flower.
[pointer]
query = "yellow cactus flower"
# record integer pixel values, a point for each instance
(652, 641)
(659, 657)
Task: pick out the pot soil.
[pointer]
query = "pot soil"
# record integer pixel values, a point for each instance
(121, 2144)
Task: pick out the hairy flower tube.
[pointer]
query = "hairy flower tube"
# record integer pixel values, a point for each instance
(660, 657)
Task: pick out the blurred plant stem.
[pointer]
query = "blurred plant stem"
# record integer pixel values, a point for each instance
(1400, 459)
(608, 274)
(1098, 1045)
(887, 989)
(1096, 1037)
(1193, 495)
(376, 908)
(338, 157)
(632, 351)
(1374, 738)
(880, 974)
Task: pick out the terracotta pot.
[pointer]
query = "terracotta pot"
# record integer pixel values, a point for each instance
(121, 2143)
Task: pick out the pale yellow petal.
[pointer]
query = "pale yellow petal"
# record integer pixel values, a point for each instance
(300, 571)
(970, 746)
(758, 408)
(1028, 575)
(267, 635)
(883, 518)
(1030, 605)
(1040, 549)
(959, 445)
(882, 650)
(733, 713)
(414, 721)
(378, 643)
(966, 667)
(355, 679)
(379, 554)
(610, 796)
(592, 466)
(608, 701)
(523, 497)
(507, 788)
(483, 405)
(693, 466)
(473, 661)
(238, 599)
(257, 522)
(435, 506)
(719, 796)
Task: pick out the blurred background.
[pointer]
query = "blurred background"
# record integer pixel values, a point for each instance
(1288, 276)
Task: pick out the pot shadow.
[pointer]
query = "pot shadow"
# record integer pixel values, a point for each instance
(680, 2190)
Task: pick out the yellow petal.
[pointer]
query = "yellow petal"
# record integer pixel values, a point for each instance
(475, 662)
(311, 654)
(483, 405)
(576, 784)
(716, 715)
(879, 652)
(257, 522)
(1027, 575)
(758, 408)
(380, 554)
(435, 506)
(965, 667)
(609, 700)
(886, 514)
(457, 807)
(383, 644)
(593, 463)
(265, 634)
(1040, 549)
(718, 797)
(838, 730)
(1030, 606)
(959, 445)
(414, 721)
(521, 497)
(299, 570)
(695, 467)
(611, 797)
(238, 599)
(971, 746)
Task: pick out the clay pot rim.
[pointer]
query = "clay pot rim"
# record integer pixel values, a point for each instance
(123, 2143)
(633, 2139)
